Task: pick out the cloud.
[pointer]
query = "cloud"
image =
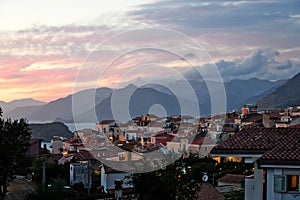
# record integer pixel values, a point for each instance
(234, 33)
(37, 66)
(261, 63)
(231, 25)
(295, 16)
(217, 14)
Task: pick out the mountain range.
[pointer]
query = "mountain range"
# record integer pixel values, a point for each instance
(286, 95)
(10, 106)
(171, 98)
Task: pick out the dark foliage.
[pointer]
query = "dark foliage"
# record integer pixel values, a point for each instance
(14, 141)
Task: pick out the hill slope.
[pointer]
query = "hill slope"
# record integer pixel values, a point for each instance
(287, 94)
(47, 131)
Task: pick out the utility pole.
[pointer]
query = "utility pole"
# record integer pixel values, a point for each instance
(44, 173)
(89, 181)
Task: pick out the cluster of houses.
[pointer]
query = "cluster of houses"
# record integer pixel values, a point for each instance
(270, 140)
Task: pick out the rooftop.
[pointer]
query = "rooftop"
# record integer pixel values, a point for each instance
(276, 145)
(208, 192)
(232, 178)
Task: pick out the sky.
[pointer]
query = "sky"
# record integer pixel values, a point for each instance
(50, 49)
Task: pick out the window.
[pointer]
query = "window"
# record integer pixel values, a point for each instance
(279, 183)
(293, 183)
(286, 183)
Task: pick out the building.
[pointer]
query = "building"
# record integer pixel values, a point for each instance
(248, 109)
(275, 155)
(230, 182)
(161, 138)
(108, 127)
(282, 169)
(34, 150)
(208, 192)
(109, 175)
(56, 145)
(81, 173)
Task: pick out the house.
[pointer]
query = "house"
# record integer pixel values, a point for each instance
(252, 118)
(230, 182)
(208, 192)
(282, 168)
(248, 109)
(81, 170)
(56, 145)
(191, 145)
(155, 126)
(228, 130)
(161, 138)
(72, 145)
(109, 175)
(143, 120)
(275, 155)
(34, 150)
(81, 173)
(108, 127)
(131, 135)
(201, 146)
(290, 122)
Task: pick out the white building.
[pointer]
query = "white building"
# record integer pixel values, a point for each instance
(109, 175)
(56, 146)
(80, 173)
(275, 154)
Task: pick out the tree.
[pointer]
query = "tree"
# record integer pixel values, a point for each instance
(14, 142)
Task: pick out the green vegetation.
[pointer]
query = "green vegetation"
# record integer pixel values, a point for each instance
(56, 191)
(234, 195)
(183, 179)
(14, 141)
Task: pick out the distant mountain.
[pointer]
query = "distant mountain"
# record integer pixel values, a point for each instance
(9, 106)
(93, 105)
(287, 94)
(130, 102)
(22, 112)
(63, 108)
(240, 92)
(47, 131)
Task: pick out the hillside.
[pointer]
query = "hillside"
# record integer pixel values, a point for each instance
(48, 130)
(287, 94)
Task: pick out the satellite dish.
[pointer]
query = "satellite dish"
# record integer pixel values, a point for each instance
(205, 178)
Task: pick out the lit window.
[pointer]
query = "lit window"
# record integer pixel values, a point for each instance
(286, 183)
(292, 183)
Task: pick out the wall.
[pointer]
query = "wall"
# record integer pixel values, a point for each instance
(249, 188)
(270, 184)
(79, 173)
(108, 180)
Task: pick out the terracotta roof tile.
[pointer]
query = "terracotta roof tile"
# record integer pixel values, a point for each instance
(232, 178)
(253, 117)
(83, 155)
(208, 192)
(278, 145)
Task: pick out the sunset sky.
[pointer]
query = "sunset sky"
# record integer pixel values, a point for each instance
(48, 48)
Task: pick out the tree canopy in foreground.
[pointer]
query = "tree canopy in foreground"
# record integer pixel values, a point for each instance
(14, 141)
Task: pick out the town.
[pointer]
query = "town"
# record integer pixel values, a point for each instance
(249, 154)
